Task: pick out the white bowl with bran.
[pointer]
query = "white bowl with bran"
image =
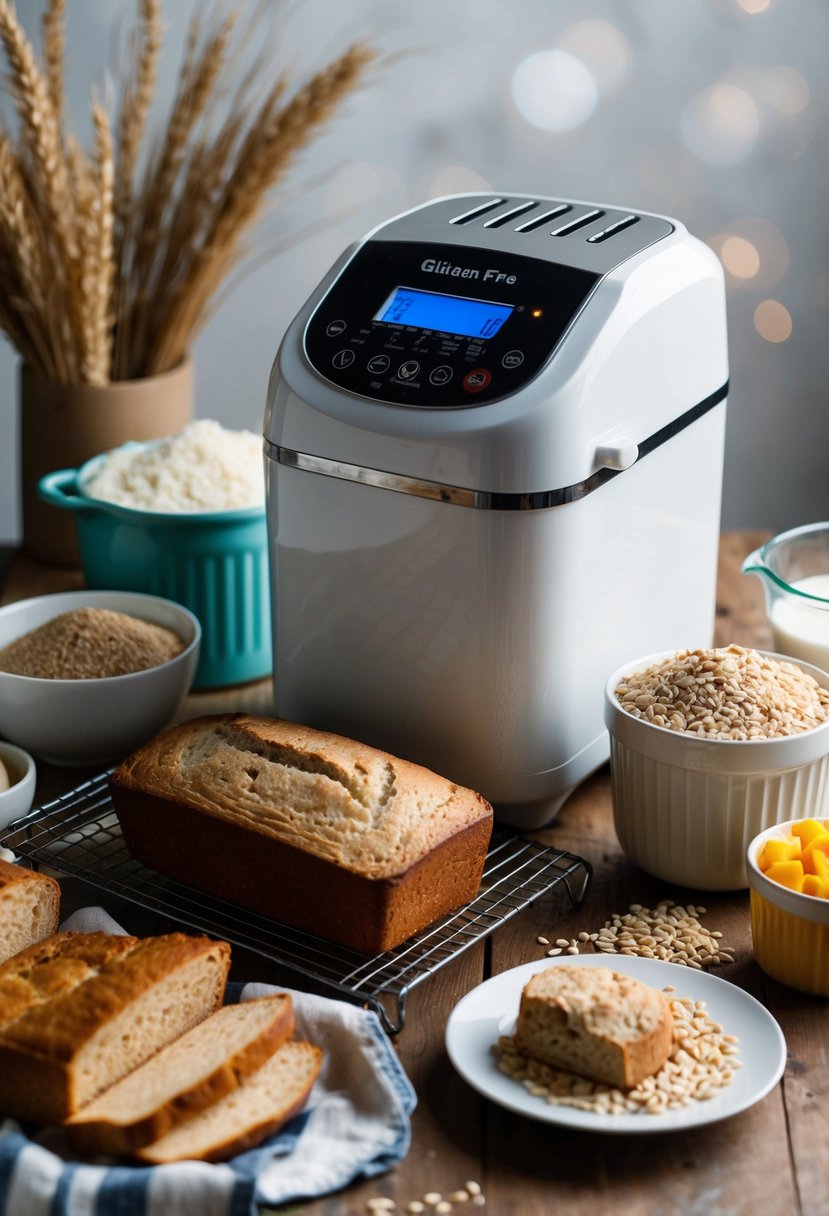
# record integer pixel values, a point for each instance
(686, 805)
(94, 720)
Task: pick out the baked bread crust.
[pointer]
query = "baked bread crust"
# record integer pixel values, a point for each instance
(29, 908)
(309, 828)
(62, 1000)
(258, 1109)
(595, 1022)
(110, 1124)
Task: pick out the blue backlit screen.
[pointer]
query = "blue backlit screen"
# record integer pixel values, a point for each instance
(452, 314)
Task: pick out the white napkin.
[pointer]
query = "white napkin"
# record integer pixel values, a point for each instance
(356, 1124)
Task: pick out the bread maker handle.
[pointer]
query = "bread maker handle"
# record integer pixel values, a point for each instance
(61, 490)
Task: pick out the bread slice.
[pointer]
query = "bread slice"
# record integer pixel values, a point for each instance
(595, 1022)
(186, 1076)
(29, 908)
(246, 1117)
(78, 1011)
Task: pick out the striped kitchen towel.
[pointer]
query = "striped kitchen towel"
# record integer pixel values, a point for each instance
(356, 1124)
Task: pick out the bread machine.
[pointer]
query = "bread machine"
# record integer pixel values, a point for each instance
(494, 444)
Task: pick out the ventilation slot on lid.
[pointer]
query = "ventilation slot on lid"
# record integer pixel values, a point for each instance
(580, 222)
(619, 226)
(538, 220)
(498, 220)
(468, 216)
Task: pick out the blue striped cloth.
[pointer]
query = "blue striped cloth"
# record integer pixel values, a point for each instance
(356, 1124)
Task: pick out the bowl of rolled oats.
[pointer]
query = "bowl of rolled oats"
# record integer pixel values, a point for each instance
(708, 748)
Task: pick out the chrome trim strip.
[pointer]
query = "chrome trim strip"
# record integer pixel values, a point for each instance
(485, 500)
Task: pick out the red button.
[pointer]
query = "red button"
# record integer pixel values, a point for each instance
(477, 380)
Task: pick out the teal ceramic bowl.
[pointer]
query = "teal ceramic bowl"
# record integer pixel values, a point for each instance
(214, 563)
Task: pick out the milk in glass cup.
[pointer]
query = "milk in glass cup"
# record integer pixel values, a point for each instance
(794, 570)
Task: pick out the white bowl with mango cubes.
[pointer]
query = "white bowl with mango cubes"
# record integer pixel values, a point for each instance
(790, 926)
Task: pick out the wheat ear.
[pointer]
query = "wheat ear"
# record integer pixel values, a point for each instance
(97, 262)
(54, 55)
(263, 162)
(41, 133)
(197, 80)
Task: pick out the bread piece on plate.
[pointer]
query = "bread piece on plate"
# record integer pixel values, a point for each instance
(257, 1109)
(80, 1010)
(186, 1076)
(595, 1022)
(29, 908)
(312, 829)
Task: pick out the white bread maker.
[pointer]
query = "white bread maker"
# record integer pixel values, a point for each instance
(494, 445)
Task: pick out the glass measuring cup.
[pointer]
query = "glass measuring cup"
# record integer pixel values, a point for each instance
(794, 570)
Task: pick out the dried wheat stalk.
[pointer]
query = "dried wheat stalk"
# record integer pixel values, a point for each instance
(110, 260)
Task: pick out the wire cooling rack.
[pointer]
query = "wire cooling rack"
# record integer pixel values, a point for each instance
(79, 835)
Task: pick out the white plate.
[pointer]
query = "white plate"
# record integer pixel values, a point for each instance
(490, 1010)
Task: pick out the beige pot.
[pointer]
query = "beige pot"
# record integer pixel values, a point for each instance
(64, 425)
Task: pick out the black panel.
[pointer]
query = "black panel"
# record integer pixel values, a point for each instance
(415, 366)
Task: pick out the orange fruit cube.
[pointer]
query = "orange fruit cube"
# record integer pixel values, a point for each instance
(808, 830)
(779, 849)
(787, 873)
(812, 885)
(816, 858)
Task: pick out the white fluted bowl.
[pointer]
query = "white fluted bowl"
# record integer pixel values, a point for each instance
(686, 808)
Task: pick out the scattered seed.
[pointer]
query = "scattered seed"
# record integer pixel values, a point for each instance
(381, 1204)
(572, 949)
(694, 1071)
(543, 941)
(443, 1208)
(555, 950)
(473, 1188)
(562, 941)
(458, 1197)
(432, 1198)
(415, 1207)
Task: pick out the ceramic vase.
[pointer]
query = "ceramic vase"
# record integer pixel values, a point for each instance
(64, 425)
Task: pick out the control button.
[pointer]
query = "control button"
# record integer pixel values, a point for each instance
(409, 369)
(477, 380)
(379, 363)
(440, 375)
(335, 328)
(343, 358)
(513, 358)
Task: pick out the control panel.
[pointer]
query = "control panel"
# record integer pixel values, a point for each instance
(433, 326)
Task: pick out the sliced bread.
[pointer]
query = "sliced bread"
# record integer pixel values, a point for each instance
(595, 1022)
(29, 908)
(258, 1108)
(78, 1011)
(186, 1076)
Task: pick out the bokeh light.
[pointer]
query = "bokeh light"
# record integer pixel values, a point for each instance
(603, 49)
(754, 6)
(554, 90)
(773, 321)
(721, 124)
(754, 252)
(788, 88)
(740, 257)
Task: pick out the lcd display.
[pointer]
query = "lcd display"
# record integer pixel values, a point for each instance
(452, 314)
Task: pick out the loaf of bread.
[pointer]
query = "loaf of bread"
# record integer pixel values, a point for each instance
(184, 1078)
(262, 1104)
(29, 908)
(595, 1022)
(80, 1010)
(325, 834)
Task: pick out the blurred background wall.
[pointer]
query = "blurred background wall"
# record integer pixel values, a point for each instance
(712, 111)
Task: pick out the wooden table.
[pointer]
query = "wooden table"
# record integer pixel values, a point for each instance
(769, 1161)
